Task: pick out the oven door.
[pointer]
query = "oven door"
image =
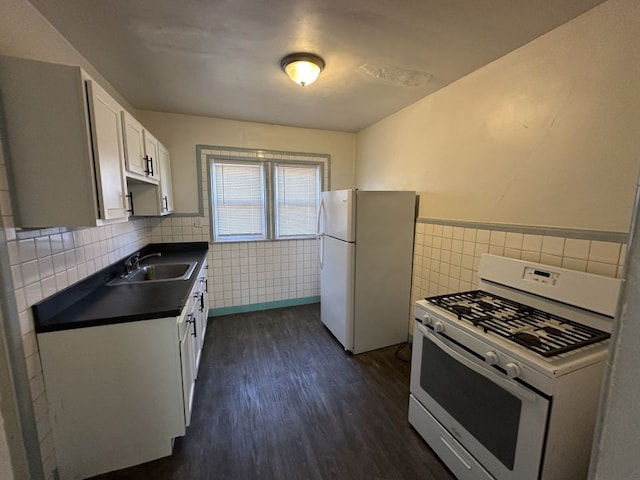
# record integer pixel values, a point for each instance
(498, 421)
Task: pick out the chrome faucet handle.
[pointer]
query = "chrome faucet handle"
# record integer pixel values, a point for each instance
(132, 263)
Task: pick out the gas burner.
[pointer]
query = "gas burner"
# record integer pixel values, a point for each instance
(483, 305)
(552, 330)
(461, 310)
(539, 331)
(527, 339)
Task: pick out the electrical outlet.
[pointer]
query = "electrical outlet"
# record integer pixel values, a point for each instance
(197, 222)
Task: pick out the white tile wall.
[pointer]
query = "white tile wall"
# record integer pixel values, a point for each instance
(246, 273)
(446, 259)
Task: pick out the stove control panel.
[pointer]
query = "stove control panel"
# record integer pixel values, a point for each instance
(538, 275)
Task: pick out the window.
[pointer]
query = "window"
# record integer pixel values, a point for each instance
(297, 192)
(264, 199)
(239, 201)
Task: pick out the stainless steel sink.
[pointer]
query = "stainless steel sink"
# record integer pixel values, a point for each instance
(160, 272)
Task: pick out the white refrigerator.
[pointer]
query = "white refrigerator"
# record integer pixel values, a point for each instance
(365, 256)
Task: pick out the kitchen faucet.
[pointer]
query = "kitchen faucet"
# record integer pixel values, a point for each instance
(132, 263)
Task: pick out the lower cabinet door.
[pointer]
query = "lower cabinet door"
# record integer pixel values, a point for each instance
(187, 357)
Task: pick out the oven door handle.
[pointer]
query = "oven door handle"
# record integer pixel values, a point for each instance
(493, 375)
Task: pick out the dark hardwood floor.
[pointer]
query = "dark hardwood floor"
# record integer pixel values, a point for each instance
(278, 398)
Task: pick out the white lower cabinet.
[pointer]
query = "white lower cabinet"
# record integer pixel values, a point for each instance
(201, 310)
(115, 394)
(187, 362)
(119, 394)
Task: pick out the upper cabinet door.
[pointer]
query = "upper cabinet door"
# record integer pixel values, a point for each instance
(108, 152)
(151, 155)
(133, 144)
(141, 151)
(166, 186)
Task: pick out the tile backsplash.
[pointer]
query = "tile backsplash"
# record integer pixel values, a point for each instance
(446, 257)
(247, 273)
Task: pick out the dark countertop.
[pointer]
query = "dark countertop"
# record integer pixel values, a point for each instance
(91, 302)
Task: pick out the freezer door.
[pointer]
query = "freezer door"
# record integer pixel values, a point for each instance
(337, 212)
(336, 289)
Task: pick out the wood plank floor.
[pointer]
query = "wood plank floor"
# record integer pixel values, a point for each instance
(278, 398)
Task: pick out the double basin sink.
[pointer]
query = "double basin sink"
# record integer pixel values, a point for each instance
(158, 272)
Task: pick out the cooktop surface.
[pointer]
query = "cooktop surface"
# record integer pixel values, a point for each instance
(542, 332)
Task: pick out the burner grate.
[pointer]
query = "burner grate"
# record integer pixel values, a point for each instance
(541, 332)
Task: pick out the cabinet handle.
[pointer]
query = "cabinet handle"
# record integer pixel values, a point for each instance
(151, 162)
(202, 302)
(130, 197)
(206, 284)
(191, 319)
(147, 170)
(166, 203)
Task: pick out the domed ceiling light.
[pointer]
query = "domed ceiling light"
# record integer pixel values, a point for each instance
(302, 68)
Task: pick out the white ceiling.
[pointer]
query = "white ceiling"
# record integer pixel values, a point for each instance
(221, 58)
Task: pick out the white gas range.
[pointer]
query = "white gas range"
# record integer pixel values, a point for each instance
(505, 380)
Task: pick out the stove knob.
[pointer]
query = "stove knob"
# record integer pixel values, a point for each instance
(426, 319)
(513, 370)
(491, 358)
(438, 327)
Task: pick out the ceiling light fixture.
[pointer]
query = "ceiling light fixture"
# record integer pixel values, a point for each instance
(302, 68)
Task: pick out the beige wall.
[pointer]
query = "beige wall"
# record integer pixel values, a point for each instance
(181, 133)
(547, 135)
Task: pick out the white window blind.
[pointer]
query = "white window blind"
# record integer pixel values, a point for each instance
(297, 191)
(239, 200)
(258, 198)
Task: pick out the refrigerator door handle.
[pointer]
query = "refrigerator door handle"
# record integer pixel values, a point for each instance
(319, 235)
(320, 210)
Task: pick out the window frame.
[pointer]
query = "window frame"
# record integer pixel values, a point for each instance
(268, 162)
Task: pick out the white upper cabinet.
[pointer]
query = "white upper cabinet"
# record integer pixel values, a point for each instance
(108, 150)
(133, 145)
(141, 150)
(65, 146)
(151, 155)
(166, 185)
(151, 199)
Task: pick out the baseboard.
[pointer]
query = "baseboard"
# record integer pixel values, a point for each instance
(255, 307)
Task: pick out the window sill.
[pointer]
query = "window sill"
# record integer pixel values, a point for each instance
(254, 240)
